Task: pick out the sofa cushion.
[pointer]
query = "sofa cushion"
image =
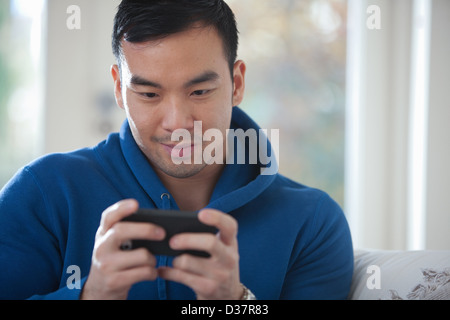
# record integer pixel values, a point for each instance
(401, 275)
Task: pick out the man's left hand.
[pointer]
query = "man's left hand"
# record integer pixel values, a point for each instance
(213, 278)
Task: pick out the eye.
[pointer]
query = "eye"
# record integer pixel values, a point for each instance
(150, 95)
(200, 92)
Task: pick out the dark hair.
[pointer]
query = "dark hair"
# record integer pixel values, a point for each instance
(143, 20)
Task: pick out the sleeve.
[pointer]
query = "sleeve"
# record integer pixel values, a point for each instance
(30, 256)
(321, 266)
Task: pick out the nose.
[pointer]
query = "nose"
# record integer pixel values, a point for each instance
(177, 115)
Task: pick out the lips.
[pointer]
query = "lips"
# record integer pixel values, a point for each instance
(179, 150)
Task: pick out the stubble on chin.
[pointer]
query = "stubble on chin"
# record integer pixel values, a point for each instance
(168, 167)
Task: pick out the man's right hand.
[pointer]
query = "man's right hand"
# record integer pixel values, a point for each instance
(114, 271)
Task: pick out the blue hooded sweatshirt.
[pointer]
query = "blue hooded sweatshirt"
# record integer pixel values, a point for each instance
(294, 241)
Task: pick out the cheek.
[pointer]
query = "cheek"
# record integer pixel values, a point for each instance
(218, 117)
(225, 113)
(221, 122)
(139, 120)
(137, 132)
(136, 111)
(223, 116)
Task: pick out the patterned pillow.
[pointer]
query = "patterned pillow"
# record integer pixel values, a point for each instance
(401, 275)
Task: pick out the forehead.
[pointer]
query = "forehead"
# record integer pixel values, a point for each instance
(190, 51)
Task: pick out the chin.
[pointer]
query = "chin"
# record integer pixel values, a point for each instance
(182, 171)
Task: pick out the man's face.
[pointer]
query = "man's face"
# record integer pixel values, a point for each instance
(169, 84)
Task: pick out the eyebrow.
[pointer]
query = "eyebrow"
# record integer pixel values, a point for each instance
(207, 76)
(139, 81)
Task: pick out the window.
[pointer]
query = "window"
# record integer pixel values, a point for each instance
(20, 88)
(296, 58)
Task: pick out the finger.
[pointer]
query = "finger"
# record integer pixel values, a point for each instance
(125, 231)
(226, 224)
(134, 275)
(195, 265)
(204, 267)
(197, 241)
(200, 285)
(117, 212)
(124, 260)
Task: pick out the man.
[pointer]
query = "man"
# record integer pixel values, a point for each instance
(176, 66)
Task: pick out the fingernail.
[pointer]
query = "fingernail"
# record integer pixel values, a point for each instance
(174, 242)
(159, 232)
(205, 215)
(130, 204)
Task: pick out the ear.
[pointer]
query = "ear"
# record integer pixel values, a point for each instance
(239, 82)
(117, 85)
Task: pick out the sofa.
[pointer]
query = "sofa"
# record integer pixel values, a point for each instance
(401, 275)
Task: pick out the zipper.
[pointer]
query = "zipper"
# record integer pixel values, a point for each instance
(163, 260)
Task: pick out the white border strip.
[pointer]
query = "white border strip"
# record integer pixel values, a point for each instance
(354, 116)
(418, 125)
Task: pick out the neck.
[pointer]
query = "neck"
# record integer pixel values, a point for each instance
(193, 193)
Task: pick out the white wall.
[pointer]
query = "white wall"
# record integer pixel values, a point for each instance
(438, 199)
(80, 106)
(378, 190)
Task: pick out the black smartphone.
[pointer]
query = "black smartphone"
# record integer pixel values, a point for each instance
(173, 222)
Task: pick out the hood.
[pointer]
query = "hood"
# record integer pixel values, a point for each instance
(239, 183)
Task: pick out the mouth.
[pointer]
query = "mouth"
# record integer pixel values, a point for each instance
(179, 150)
